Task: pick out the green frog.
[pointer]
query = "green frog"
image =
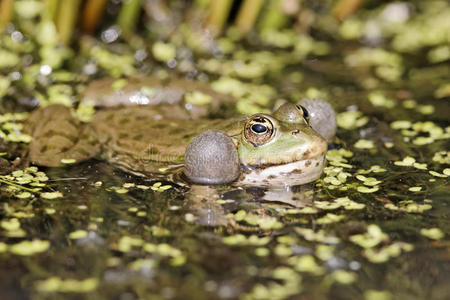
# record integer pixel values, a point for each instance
(275, 149)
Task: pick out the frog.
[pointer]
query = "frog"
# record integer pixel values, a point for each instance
(276, 149)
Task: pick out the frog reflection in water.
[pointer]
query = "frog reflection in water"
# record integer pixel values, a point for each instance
(259, 150)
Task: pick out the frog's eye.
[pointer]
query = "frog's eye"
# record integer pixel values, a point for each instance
(258, 130)
(304, 112)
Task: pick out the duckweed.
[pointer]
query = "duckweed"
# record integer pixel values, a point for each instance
(177, 258)
(126, 243)
(415, 189)
(263, 222)
(385, 253)
(366, 190)
(406, 162)
(377, 295)
(401, 124)
(8, 59)
(351, 119)
(319, 236)
(330, 218)
(242, 240)
(344, 277)
(371, 238)
(432, 233)
(364, 144)
(437, 174)
(121, 191)
(56, 284)
(344, 202)
(159, 231)
(115, 65)
(260, 251)
(11, 224)
(282, 250)
(370, 181)
(378, 99)
(27, 248)
(324, 252)
(304, 210)
(51, 195)
(426, 109)
(23, 195)
(442, 157)
(443, 91)
(50, 211)
(119, 84)
(141, 214)
(197, 98)
(410, 129)
(143, 264)
(78, 234)
(163, 52)
(290, 285)
(68, 161)
(305, 263)
(11, 128)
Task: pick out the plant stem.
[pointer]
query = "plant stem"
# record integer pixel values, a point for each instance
(51, 8)
(92, 14)
(67, 15)
(17, 185)
(248, 13)
(345, 8)
(218, 14)
(6, 12)
(129, 16)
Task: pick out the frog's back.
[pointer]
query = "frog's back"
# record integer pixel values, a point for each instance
(140, 140)
(58, 136)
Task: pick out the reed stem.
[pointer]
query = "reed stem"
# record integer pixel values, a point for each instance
(92, 14)
(6, 12)
(248, 13)
(129, 16)
(17, 186)
(67, 16)
(51, 7)
(218, 14)
(345, 8)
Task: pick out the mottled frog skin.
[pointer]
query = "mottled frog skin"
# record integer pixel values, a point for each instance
(272, 150)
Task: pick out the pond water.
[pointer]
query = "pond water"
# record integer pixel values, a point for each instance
(374, 226)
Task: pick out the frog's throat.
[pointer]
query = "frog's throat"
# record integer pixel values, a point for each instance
(289, 174)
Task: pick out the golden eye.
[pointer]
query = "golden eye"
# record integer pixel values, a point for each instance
(258, 130)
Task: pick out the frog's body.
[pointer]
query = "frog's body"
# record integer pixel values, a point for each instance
(276, 149)
(139, 143)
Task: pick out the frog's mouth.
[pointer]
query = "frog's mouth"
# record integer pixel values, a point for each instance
(288, 174)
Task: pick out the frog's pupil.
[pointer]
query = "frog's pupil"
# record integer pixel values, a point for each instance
(258, 128)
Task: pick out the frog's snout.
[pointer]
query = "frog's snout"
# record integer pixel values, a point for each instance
(318, 147)
(313, 144)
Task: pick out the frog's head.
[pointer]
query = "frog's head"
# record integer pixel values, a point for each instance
(264, 150)
(280, 149)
